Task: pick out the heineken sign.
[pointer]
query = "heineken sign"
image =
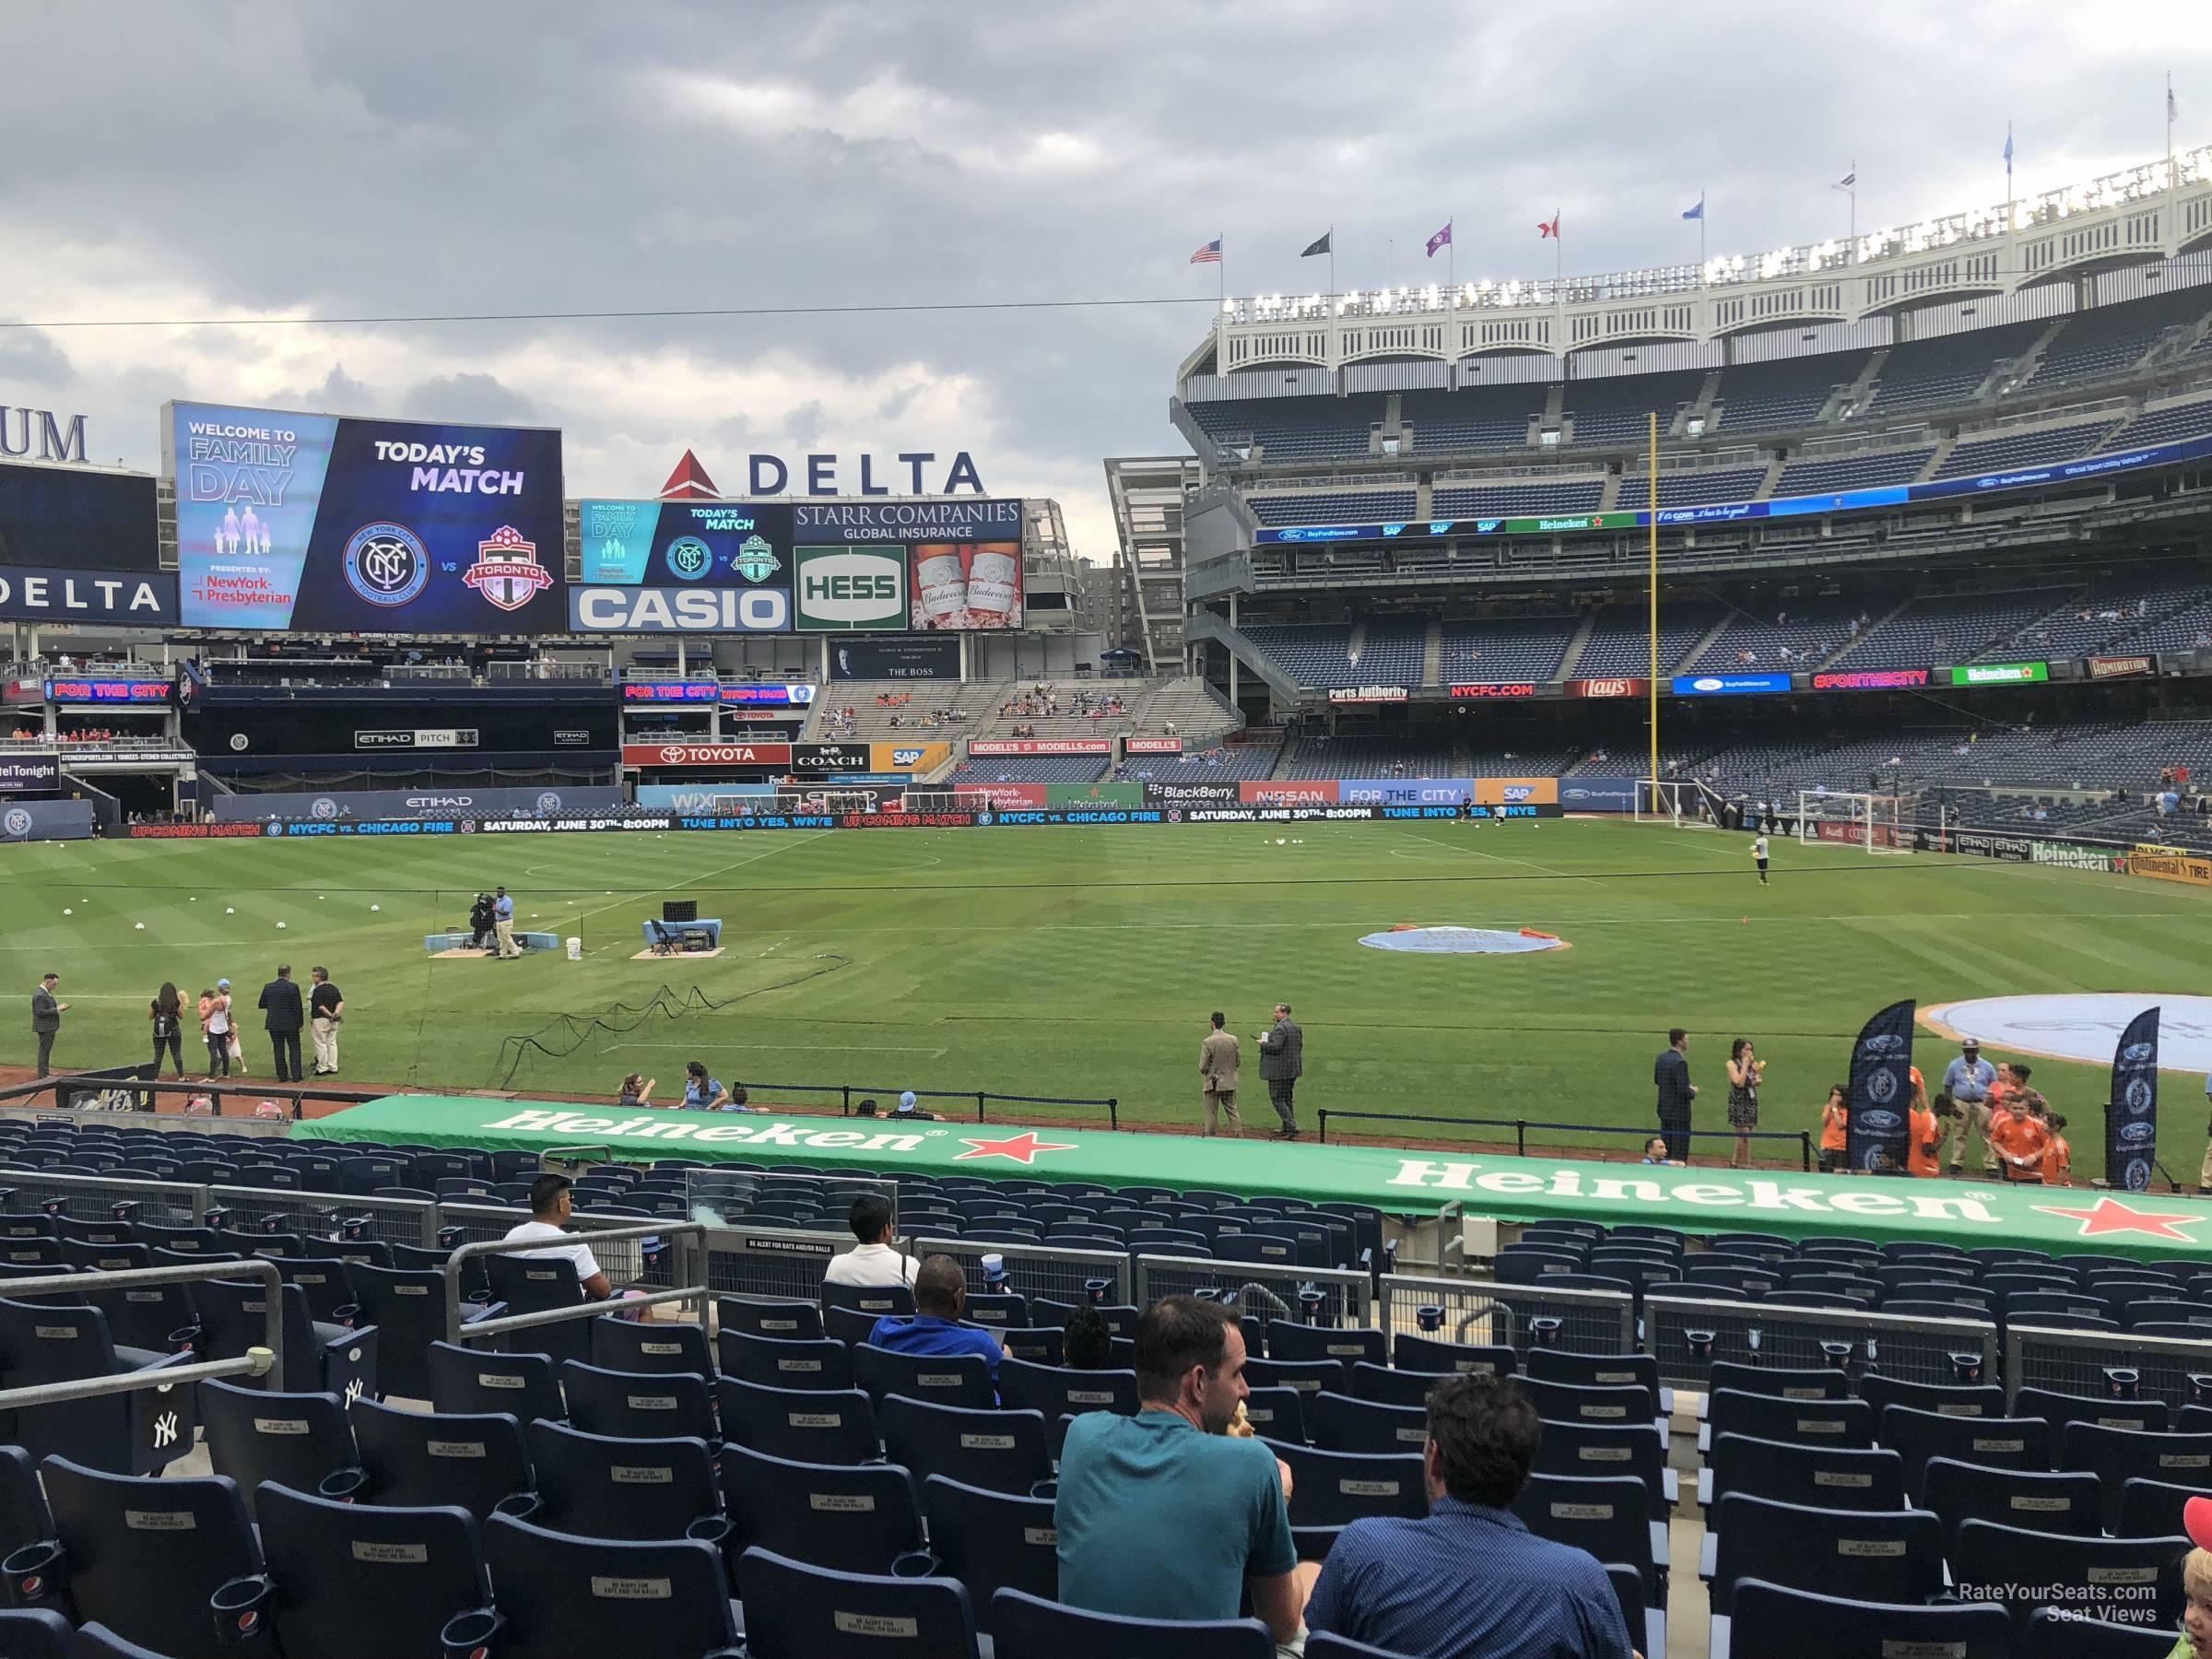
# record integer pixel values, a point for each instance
(2000, 674)
(1413, 1184)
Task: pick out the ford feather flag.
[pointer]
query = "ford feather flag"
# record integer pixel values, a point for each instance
(1881, 1091)
(2131, 1116)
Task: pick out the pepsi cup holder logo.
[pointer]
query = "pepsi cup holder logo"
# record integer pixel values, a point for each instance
(690, 559)
(17, 821)
(386, 564)
(324, 807)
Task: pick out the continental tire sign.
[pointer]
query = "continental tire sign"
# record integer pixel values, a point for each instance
(2171, 864)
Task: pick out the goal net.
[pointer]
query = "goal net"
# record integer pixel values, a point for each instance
(947, 800)
(786, 802)
(1673, 801)
(1873, 823)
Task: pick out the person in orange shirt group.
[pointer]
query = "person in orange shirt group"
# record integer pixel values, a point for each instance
(2017, 1127)
(1834, 1117)
(1922, 1146)
(2058, 1157)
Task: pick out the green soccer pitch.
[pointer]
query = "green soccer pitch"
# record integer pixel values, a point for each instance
(1084, 962)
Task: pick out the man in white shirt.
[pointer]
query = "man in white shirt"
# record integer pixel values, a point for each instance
(550, 1207)
(876, 1259)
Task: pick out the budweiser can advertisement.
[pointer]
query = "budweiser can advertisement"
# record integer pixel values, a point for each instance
(995, 585)
(940, 586)
(965, 585)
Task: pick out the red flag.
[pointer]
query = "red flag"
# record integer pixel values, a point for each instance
(1550, 228)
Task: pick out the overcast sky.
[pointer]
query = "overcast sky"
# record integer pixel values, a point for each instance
(218, 160)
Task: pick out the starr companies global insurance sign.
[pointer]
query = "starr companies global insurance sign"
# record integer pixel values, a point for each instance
(1402, 1182)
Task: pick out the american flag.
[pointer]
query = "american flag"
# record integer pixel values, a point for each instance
(1208, 254)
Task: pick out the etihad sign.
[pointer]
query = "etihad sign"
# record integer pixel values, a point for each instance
(1368, 694)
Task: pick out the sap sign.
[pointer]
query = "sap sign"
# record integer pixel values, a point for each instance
(679, 610)
(1728, 685)
(767, 476)
(844, 590)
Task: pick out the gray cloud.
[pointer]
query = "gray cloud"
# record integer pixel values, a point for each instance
(413, 159)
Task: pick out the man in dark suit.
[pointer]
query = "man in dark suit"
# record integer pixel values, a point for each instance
(1282, 1058)
(280, 1001)
(46, 1017)
(1670, 1072)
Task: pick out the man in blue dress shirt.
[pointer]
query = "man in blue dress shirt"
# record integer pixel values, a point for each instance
(1470, 1582)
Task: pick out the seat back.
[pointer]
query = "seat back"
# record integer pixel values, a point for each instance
(421, 1460)
(638, 1406)
(2152, 1509)
(145, 1556)
(1818, 1476)
(466, 1380)
(1595, 1370)
(1588, 1402)
(2059, 1409)
(991, 1541)
(820, 1426)
(2038, 1500)
(36, 1633)
(1609, 1516)
(851, 1519)
(797, 1320)
(810, 1613)
(1770, 1618)
(2020, 1570)
(536, 1284)
(1277, 1413)
(2119, 1456)
(944, 1380)
(602, 1487)
(1894, 1555)
(1336, 1422)
(297, 1440)
(597, 1596)
(876, 1301)
(1999, 1442)
(657, 1346)
(1803, 1422)
(1288, 1340)
(1974, 1399)
(999, 1451)
(47, 1342)
(1028, 1627)
(358, 1582)
(782, 1362)
(1798, 1384)
(1591, 1450)
(407, 1308)
(1409, 1352)
(1335, 1489)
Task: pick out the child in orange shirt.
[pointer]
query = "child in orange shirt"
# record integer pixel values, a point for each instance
(2058, 1157)
(1833, 1120)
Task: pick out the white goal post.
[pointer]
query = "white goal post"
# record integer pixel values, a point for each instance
(1679, 802)
(1873, 823)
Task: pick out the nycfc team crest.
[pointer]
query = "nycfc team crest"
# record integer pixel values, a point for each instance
(755, 561)
(690, 557)
(324, 807)
(386, 564)
(507, 572)
(17, 822)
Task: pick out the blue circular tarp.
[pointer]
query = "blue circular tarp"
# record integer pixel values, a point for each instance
(1462, 941)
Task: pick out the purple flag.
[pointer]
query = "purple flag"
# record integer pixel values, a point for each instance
(1442, 238)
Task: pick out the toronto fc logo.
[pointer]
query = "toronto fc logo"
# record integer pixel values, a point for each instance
(507, 572)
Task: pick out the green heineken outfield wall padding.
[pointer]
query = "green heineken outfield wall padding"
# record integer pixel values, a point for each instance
(1402, 1183)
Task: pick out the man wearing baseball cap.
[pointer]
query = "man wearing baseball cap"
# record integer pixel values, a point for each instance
(1967, 1081)
(912, 1112)
(2196, 1582)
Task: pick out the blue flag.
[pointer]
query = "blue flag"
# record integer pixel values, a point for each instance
(1879, 1105)
(2131, 1115)
(1699, 211)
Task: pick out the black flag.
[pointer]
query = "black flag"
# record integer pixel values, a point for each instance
(2131, 1115)
(1880, 1104)
(1320, 245)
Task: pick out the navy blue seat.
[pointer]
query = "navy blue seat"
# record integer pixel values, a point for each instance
(1818, 1476)
(803, 1425)
(1588, 1402)
(354, 1582)
(1336, 1422)
(651, 1345)
(2152, 1509)
(1770, 1619)
(1387, 1385)
(638, 1406)
(301, 1441)
(943, 1379)
(407, 1308)
(595, 1486)
(1335, 1489)
(877, 1302)
(319, 1357)
(784, 1363)
(1028, 1627)
(536, 1284)
(849, 1518)
(145, 1557)
(1949, 1399)
(2056, 1633)
(37, 1633)
(1894, 1556)
(471, 1381)
(1287, 1339)
(582, 1596)
(1429, 1354)
(2020, 1569)
(425, 1459)
(2072, 1503)
(1807, 1383)
(1277, 1413)
(991, 1541)
(1804, 1422)
(2118, 1455)
(2059, 1409)
(796, 1611)
(1602, 1371)
(1040, 1345)
(999, 1451)
(1611, 1517)
(135, 1434)
(1589, 1450)
(789, 1320)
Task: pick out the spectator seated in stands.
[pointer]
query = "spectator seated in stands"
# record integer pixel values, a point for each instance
(1085, 1340)
(876, 1259)
(936, 1331)
(1470, 1579)
(550, 1207)
(1168, 1514)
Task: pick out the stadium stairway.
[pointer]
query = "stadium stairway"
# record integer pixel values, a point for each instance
(1432, 654)
(1765, 492)
(1583, 629)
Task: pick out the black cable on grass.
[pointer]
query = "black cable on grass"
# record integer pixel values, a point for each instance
(566, 1034)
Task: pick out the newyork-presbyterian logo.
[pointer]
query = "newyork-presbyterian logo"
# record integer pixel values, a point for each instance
(1021, 1149)
(507, 572)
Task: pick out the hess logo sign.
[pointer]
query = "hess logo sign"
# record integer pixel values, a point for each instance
(843, 590)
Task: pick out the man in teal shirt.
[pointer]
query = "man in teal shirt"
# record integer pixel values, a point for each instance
(1166, 1514)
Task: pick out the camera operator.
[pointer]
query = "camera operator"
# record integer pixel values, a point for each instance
(479, 923)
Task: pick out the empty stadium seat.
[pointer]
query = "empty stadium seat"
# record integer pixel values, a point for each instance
(1428, 1354)
(1056, 1391)
(2059, 1409)
(595, 1486)
(944, 1380)
(1818, 1477)
(2038, 1500)
(1333, 1489)
(999, 1451)
(355, 1582)
(859, 1519)
(602, 1595)
(1335, 1422)
(1612, 1517)
(801, 1321)
(470, 1381)
(1770, 1618)
(301, 1441)
(638, 1406)
(38, 1634)
(785, 1363)
(1028, 1627)
(801, 1425)
(1870, 1556)
(421, 1460)
(1599, 1448)
(1770, 1416)
(135, 1433)
(991, 1541)
(2020, 1569)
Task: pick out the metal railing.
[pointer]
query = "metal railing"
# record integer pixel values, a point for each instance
(1802, 1140)
(1686, 1335)
(686, 1237)
(1346, 1294)
(1039, 1270)
(147, 1090)
(771, 1264)
(266, 1360)
(1591, 1322)
(2080, 1362)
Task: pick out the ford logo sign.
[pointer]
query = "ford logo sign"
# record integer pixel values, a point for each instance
(2139, 1051)
(1707, 682)
(2135, 1134)
(1874, 1121)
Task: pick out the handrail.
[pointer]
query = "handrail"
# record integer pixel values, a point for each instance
(459, 1330)
(186, 1273)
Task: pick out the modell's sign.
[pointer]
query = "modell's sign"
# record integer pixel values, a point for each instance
(1608, 687)
(2119, 667)
(1503, 689)
(1041, 746)
(1368, 694)
(1153, 745)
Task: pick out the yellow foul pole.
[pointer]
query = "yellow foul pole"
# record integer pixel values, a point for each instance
(1654, 616)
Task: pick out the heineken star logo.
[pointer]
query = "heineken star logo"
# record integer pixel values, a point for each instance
(2110, 1216)
(1022, 1149)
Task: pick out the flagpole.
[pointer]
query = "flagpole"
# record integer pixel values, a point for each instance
(1452, 242)
(1855, 212)
(1221, 290)
(1332, 259)
(2171, 180)
(1652, 688)
(1701, 239)
(2008, 212)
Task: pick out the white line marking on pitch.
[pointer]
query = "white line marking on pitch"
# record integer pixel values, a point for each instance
(703, 876)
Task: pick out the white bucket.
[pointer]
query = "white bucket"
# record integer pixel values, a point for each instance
(575, 949)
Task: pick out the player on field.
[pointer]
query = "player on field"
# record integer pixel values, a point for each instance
(1758, 852)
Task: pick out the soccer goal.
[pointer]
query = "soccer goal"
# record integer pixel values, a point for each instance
(1874, 823)
(1673, 801)
(947, 800)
